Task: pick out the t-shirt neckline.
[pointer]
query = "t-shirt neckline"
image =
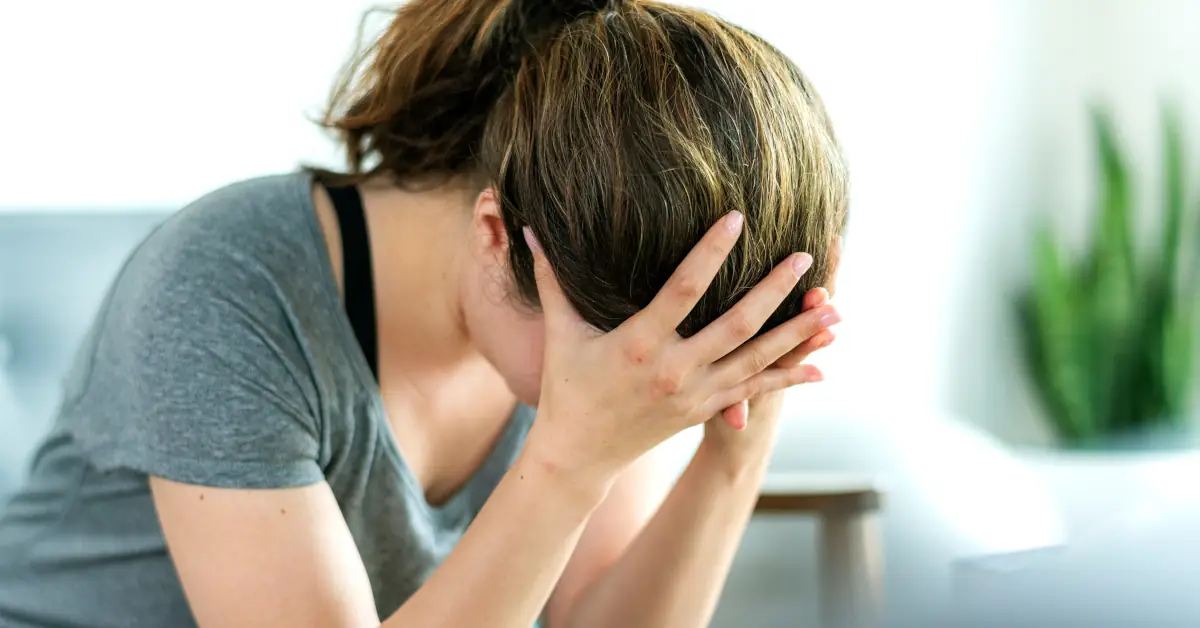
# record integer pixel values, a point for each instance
(459, 504)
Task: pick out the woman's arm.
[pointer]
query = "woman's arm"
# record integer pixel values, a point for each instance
(672, 574)
(634, 498)
(285, 557)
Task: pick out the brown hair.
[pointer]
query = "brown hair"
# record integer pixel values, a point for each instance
(618, 131)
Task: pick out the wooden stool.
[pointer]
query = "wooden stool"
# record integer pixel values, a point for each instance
(851, 547)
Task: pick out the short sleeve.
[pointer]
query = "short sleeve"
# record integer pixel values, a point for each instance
(196, 373)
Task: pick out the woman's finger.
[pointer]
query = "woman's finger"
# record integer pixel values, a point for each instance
(743, 320)
(690, 280)
(812, 299)
(555, 306)
(768, 381)
(737, 416)
(806, 349)
(758, 354)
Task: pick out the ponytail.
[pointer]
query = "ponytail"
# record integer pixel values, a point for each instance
(416, 102)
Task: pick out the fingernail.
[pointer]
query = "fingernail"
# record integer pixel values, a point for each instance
(829, 338)
(815, 376)
(733, 222)
(830, 318)
(531, 240)
(824, 294)
(801, 263)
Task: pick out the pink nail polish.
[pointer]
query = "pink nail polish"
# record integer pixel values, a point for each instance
(830, 318)
(801, 263)
(530, 240)
(733, 222)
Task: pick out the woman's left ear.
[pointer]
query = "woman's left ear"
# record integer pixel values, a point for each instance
(488, 224)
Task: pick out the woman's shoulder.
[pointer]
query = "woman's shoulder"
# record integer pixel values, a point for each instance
(247, 215)
(255, 234)
(199, 365)
(242, 270)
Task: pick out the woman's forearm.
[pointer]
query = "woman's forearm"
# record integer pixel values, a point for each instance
(504, 568)
(673, 573)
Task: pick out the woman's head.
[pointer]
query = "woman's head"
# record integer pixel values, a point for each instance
(618, 131)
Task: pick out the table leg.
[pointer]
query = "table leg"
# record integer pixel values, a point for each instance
(851, 564)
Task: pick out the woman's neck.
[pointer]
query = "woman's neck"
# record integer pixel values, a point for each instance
(446, 404)
(419, 248)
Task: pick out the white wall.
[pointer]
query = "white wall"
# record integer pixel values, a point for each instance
(148, 103)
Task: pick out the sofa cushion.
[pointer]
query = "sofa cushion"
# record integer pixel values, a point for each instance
(55, 267)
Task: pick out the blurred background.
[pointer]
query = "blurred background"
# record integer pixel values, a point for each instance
(1025, 401)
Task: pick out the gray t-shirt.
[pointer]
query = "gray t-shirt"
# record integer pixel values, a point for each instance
(221, 357)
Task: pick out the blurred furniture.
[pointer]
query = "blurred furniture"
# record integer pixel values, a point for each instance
(1133, 557)
(55, 266)
(953, 492)
(1139, 568)
(851, 551)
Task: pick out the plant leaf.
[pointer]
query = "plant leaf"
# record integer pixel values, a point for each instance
(1052, 332)
(1113, 243)
(1179, 359)
(1112, 286)
(1174, 195)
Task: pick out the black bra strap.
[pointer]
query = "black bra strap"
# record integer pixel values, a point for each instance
(359, 284)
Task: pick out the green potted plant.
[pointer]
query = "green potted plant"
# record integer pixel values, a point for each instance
(1110, 331)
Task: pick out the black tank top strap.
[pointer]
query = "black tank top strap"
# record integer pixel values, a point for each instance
(358, 279)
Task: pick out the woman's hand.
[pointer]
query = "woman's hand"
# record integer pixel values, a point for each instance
(746, 431)
(607, 398)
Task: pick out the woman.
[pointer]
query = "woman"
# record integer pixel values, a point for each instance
(300, 390)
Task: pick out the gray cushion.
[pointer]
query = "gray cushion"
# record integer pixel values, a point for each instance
(55, 267)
